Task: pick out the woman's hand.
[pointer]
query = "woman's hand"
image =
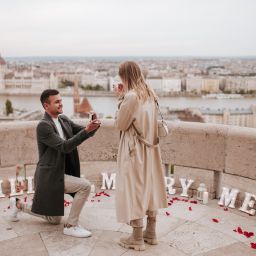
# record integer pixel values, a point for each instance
(119, 89)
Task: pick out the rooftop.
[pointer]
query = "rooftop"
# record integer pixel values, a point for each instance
(183, 232)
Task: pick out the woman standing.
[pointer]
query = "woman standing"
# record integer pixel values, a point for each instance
(140, 183)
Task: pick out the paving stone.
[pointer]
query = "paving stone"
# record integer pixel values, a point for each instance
(107, 244)
(193, 238)
(162, 249)
(237, 249)
(27, 245)
(59, 244)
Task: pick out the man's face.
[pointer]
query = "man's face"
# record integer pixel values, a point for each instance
(54, 105)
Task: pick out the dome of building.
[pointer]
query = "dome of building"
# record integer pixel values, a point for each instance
(2, 61)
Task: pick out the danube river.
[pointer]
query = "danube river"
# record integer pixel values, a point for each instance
(106, 106)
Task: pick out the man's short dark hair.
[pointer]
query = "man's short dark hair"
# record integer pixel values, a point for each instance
(46, 94)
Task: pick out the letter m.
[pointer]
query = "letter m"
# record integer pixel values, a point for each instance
(108, 180)
(228, 198)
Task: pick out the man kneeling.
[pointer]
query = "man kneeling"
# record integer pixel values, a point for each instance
(58, 168)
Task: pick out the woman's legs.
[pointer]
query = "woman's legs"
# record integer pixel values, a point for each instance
(135, 241)
(149, 234)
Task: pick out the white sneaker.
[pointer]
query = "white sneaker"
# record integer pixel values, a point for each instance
(76, 231)
(14, 210)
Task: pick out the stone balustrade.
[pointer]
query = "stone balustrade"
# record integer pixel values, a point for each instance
(216, 155)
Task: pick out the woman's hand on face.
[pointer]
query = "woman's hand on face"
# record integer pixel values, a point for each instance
(119, 89)
(93, 125)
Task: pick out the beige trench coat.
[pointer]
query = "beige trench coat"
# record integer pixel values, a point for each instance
(140, 177)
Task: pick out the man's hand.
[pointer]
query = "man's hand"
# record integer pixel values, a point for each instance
(93, 125)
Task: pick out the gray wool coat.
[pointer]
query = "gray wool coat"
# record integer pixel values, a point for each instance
(53, 155)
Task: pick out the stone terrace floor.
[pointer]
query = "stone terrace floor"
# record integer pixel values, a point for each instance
(183, 232)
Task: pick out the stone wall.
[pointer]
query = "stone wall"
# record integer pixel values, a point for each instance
(217, 155)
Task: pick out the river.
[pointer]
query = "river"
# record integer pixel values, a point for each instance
(106, 106)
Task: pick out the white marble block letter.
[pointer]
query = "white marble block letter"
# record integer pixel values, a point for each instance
(248, 203)
(185, 186)
(108, 180)
(228, 198)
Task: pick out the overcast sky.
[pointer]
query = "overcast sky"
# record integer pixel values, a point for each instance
(128, 27)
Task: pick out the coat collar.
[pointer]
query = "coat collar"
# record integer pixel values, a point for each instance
(66, 131)
(48, 118)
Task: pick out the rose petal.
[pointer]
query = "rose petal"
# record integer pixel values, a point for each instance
(251, 234)
(215, 220)
(167, 213)
(239, 230)
(253, 245)
(190, 208)
(226, 209)
(246, 234)
(105, 194)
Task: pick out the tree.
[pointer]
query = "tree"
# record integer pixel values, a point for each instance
(8, 107)
(66, 83)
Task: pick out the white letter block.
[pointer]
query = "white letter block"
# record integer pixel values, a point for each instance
(13, 188)
(248, 203)
(1, 191)
(108, 181)
(169, 182)
(30, 185)
(185, 186)
(228, 198)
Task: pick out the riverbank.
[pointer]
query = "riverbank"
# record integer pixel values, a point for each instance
(69, 93)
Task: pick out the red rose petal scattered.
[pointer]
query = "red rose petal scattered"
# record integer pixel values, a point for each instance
(25, 199)
(239, 230)
(105, 194)
(253, 245)
(8, 207)
(167, 213)
(226, 209)
(193, 202)
(190, 208)
(251, 234)
(67, 203)
(215, 220)
(248, 234)
(245, 233)
(169, 204)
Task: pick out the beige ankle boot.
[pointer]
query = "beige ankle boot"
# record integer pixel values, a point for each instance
(135, 241)
(149, 234)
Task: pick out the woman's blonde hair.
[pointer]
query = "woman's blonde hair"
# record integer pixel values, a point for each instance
(131, 75)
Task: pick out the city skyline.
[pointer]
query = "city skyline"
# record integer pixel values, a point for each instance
(138, 28)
